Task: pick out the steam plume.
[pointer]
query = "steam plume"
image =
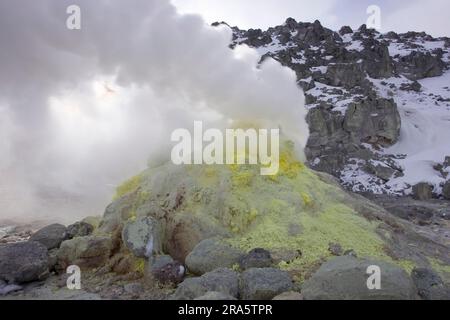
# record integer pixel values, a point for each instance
(81, 110)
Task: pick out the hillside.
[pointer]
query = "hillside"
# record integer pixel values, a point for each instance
(379, 103)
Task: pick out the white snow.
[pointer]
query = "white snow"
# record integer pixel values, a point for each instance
(355, 46)
(402, 50)
(425, 132)
(359, 180)
(346, 38)
(274, 47)
(321, 69)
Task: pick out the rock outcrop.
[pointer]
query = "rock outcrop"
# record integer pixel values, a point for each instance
(23, 262)
(351, 81)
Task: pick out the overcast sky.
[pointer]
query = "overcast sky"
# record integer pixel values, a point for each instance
(431, 16)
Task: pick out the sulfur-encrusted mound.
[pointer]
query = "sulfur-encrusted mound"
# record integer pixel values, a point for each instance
(297, 214)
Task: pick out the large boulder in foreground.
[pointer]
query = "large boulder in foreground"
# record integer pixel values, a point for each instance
(345, 278)
(23, 262)
(211, 254)
(51, 236)
(264, 283)
(224, 281)
(85, 252)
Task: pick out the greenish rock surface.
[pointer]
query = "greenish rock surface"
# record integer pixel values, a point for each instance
(143, 236)
(85, 252)
(211, 254)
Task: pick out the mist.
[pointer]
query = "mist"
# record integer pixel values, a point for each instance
(82, 110)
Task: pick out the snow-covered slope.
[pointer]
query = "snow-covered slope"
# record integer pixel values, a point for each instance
(425, 133)
(379, 103)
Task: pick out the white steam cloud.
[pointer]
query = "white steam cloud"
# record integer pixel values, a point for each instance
(82, 110)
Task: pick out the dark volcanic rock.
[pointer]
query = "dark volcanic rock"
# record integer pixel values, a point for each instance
(51, 236)
(419, 65)
(345, 30)
(264, 283)
(347, 75)
(170, 273)
(257, 258)
(79, 229)
(430, 285)
(375, 121)
(23, 262)
(377, 61)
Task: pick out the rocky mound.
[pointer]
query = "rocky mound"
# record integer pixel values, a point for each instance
(212, 222)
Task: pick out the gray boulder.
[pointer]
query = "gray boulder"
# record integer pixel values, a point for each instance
(345, 278)
(224, 281)
(143, 237)
(189, 289)
(347, 75)
(85, 252)
(79, 229)
(256, 258)
(430, 285)
(422, 191)
(211, 254)
(51, 236)
(23, 262)
(264, 283)
(373, 120)
(419, 65)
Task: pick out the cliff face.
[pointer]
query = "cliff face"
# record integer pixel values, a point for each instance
(379, 103)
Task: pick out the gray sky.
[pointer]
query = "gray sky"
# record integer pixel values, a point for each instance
(431, 16)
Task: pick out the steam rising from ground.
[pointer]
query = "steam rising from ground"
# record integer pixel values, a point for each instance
(82, 110)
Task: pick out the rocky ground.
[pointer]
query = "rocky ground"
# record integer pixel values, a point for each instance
(222, 233)
(225, 233)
